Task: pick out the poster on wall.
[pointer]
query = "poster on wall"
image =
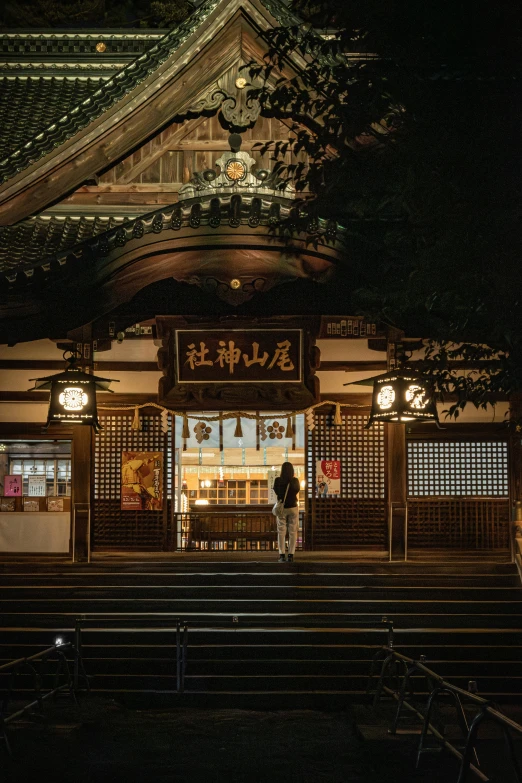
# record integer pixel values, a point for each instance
(36, 486)
(54, 504)
(31, 505)
(13, 486)
(141, 481)
(328, 477)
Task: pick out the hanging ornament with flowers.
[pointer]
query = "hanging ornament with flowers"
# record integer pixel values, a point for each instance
(275, 430)
(202, 431)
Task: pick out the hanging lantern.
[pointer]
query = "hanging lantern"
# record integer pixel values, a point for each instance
(401, 395)
(72, 397)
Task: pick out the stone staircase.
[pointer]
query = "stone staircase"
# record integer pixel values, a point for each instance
(264, 632)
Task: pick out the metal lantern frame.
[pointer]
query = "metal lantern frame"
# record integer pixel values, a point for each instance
(72, 395)
(401, 396)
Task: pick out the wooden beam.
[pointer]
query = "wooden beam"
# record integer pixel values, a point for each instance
(102, 397)
(131, 187)
(120, 398)
(33, 430)
(368, 366)
(340, 366)
(48, 364)
(209, 145)
(128, 198)
(349, 399)
(129, 366)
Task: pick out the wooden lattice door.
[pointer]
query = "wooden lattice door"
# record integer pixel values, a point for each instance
(128, 529)
(356, 519)
(458, 494)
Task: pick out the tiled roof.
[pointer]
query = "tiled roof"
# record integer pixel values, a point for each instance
(115, 88)
(34, 240)
(36, 249)
(29, 104)
(76, 44)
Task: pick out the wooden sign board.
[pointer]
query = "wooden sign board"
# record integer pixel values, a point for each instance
(269, 365)
(239, 356)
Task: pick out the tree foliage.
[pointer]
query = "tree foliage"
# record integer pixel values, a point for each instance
(409, 114)
(94, 14)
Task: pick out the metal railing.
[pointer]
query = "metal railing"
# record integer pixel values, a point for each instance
(286, 624)
(206, 531)
(29, 666)
(399, 670)
(137, 623)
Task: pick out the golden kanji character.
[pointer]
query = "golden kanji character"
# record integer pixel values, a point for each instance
(282, 358)
(196, 358)
(256, 359)
(228, 356)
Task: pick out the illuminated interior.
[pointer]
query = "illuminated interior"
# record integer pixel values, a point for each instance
(242, 472)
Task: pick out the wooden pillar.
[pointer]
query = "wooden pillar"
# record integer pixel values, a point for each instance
(4, 470)
(397, 518)
(397, 467)
(515, 461)
(81, 493)
(81, 458)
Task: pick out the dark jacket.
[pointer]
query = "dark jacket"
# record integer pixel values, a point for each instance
(291, 495)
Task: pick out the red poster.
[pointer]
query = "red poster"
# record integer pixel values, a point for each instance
(328, 477)
(141, 481)
(12, 486)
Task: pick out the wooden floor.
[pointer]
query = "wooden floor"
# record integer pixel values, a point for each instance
(435, 556)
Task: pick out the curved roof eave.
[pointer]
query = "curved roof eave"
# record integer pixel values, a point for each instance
(123, 83)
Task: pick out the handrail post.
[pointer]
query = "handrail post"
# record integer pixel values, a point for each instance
(380, 683)
(178, 655)
(3, 735)
(184, 655)
(427, 721)
(401, 697)
(78, 648)
(470, 745)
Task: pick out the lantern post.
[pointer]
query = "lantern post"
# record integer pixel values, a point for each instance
(400, 395)
(72, 401)
(72, 394)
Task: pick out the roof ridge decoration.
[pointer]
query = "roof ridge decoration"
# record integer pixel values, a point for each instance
(236, 177)
(120, 85)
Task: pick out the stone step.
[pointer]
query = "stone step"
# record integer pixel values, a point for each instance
(258, 592)
(288, 665)
(288, 578)
(300, 628)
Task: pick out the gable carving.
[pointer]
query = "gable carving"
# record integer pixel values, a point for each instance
(172, 156)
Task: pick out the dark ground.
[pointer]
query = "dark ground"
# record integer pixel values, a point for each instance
(103, 740)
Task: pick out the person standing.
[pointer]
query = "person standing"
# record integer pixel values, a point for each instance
(288, 484)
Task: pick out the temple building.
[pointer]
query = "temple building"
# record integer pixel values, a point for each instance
(140, 235)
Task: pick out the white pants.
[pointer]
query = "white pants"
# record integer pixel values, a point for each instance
(290, 521)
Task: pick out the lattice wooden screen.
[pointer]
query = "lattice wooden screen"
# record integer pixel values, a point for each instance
(463, 468)
(458, 494)
(458, 523)
(114, 528)
(358, 517)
